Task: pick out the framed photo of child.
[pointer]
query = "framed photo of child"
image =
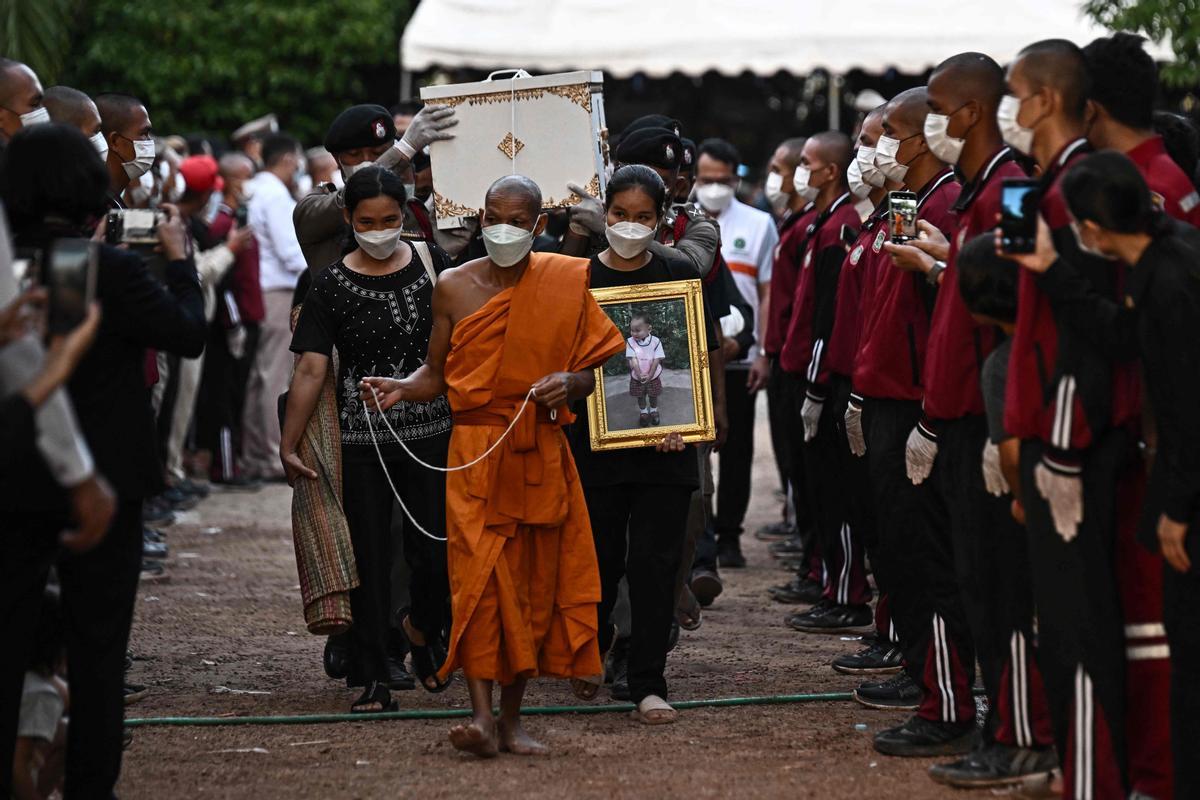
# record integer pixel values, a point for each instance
(660, 383)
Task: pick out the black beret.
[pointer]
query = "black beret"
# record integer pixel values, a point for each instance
(653, 121)
(689, 154)
(360, 126)
(654, 147)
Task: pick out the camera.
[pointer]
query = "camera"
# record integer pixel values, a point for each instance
(134, 226)
(67, 269)
(1019, 201)
(902, 216)
(242, 216)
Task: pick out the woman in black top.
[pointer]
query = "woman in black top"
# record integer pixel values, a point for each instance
(374, 306)
(642, 492)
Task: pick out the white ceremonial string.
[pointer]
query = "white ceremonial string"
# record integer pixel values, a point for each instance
(512, 105)
(396, 436)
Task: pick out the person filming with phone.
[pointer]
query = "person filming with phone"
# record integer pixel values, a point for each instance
(55, 190)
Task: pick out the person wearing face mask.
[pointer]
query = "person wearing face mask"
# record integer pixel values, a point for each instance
(519, 519)
(20, 99)
(1076, 412)
(357, 305)
(360, 136)
(126, 126)
(748, 240)
(1116, 213)
(72, 107)
(638, 499)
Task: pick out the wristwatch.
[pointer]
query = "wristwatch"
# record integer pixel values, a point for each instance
(935, 272)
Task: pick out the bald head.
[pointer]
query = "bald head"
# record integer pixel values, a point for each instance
(905, 114)
(119, 112)
(72, 107)
(789, 150)
(516, 189)
(236, 165)
(965, 77)
(833, 147)
(20, 93)
(1058, 65)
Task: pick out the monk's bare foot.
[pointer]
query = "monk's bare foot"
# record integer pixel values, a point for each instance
(514, 739)
(477, 738)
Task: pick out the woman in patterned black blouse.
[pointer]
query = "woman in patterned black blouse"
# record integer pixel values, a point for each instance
(374, 306)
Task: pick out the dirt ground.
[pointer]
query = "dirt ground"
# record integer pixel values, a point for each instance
(229, 622)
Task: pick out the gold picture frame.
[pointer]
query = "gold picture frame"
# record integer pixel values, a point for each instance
(676, 308)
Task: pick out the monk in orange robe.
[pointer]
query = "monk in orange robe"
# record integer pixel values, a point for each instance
(523, 574)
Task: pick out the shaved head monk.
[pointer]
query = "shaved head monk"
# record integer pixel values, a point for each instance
(523, 574)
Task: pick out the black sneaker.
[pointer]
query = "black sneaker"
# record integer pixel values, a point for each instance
(618, 670)
(152, 535)
(399, 678)
(833, 619)
(775, 532)
(337, 656)
(900, 693)
(729, 554)
(195, 489)
(800, 590)
(153, 548)
(134, 692)
(177, 500)
(155, 512)
(153, 572)
(921, 737)
(996, 765)
(879, 658)
(238, 483)
(707, 586)
(799, 618)
(788, 548)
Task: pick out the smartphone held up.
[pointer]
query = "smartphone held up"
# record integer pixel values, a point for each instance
(67, 269)
(902, 216)
(1019, 201)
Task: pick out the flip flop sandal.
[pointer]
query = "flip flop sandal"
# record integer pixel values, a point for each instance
(687, 610)
(653, 710)
(427, 659)
(586, 688)
(378, 694)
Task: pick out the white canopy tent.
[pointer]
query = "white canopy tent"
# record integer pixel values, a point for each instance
(659, 37)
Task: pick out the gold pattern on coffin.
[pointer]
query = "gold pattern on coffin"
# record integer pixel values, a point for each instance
(578, 93)
(593, 188)
(444, 208)
(510, 146)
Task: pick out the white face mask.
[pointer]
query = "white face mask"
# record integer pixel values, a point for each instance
(1014, 134)
(715, 197)
(885, 159)
(39, 116)
(143, 159)
(506, 244)
(347, 172)
(100, 143)
(379, 245)
(946, 147)
(628, 239)
(858, 187)
(773, 189)
(866, 167)
(1091, 251)
(800, 184)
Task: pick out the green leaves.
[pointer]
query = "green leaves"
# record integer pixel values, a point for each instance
(211, 66)
(36, 32)
(1176, 20)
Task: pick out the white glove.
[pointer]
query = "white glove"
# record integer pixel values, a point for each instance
(854, 429)
(993, 477)
(1064, 493)
(919, 453)
(810, 413)
(431, 124)
(235, 340)
(588, 215)
(455, 240)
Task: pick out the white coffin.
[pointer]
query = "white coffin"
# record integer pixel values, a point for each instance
(549, 128)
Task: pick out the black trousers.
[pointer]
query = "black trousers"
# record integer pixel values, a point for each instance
(787, 436)
(1081, 636)
(777, 415)
(218, 412)
(1181, 615)
(98, 591)
(991, 556)
(639, 531)
(368, 501)
(736, 456)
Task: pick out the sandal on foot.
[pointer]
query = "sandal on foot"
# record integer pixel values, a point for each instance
(427, 659)
(375, 694)
(653, 710)
(687, 610)
(587, 688)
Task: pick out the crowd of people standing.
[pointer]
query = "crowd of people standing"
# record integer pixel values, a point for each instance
(986, 457)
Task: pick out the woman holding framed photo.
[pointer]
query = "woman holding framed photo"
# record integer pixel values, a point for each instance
(638, 497)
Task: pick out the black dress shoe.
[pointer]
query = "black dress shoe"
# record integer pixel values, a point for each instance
(921, 737)
(899, 693)
(337, 656)
(399, 678)
(775, 532)
(996, 765)
(798, 591)
(878, 658)
(729, 554)
(619, 670)
(706, 585)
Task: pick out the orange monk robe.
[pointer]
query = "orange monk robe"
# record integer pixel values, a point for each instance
(523, 575)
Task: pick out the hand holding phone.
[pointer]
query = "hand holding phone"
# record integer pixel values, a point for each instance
(902, 216)
(1019, 201)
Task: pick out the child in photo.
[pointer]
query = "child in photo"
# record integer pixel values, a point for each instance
(645, 353)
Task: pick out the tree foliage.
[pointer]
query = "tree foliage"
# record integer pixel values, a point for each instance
(1176, 20)
(36, 32)
(210, 66)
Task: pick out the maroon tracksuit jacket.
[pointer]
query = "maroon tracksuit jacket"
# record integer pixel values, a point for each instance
(783, 278)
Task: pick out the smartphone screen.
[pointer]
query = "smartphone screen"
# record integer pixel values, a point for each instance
(902, 208)
(1019, 200)
(69, 274)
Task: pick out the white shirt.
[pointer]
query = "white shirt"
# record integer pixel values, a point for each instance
(645, 352)
(280, 260)
(748, 239)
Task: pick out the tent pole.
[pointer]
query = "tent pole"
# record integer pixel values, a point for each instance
(406, 82)
(835, 102)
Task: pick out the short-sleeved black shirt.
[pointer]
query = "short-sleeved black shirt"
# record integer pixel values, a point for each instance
(380, 325)
(642, 465)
